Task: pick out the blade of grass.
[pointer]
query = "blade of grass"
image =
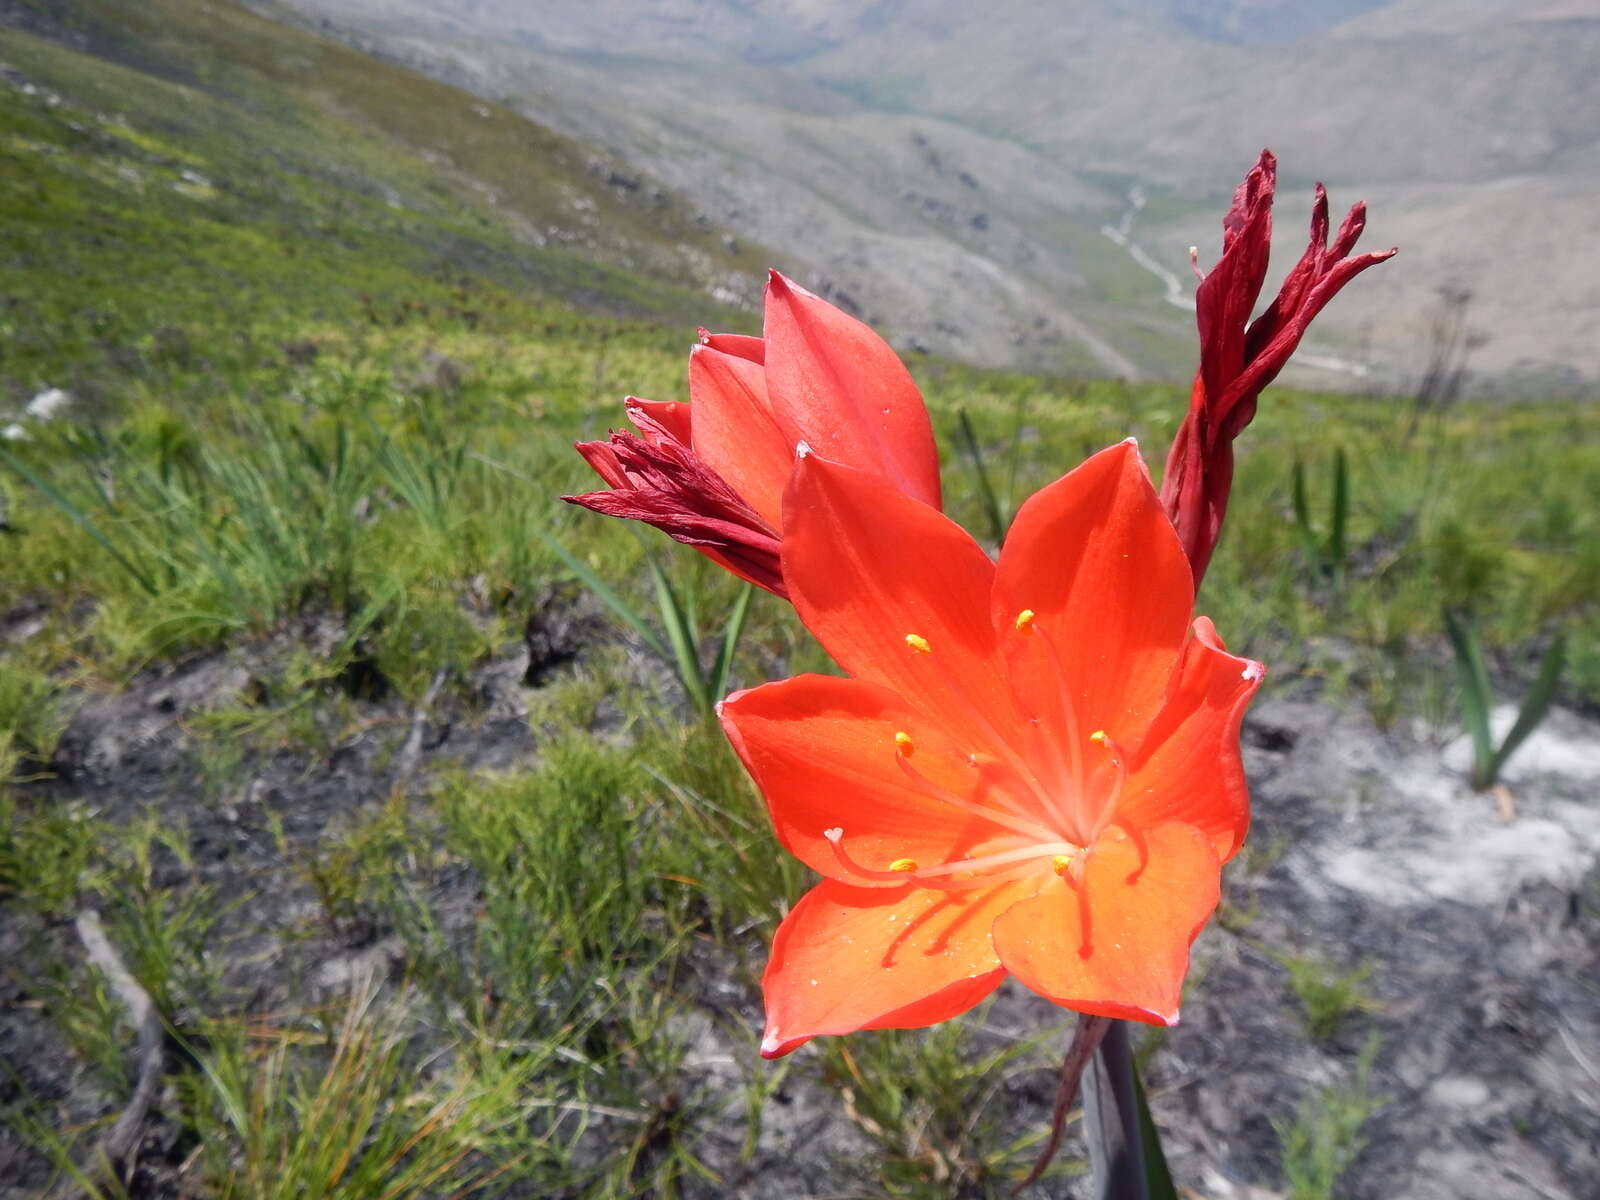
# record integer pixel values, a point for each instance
(969, 445)
(680, 632)
(1476, 698)
(604, 591)
(1302, 520)
(731, 632)
(77, 516)
(1534, 705)
(1339, 514)
(1157, 1176)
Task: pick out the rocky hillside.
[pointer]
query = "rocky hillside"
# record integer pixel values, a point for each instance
(951, 176)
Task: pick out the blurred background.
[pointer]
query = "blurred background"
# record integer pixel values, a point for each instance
(363, 828)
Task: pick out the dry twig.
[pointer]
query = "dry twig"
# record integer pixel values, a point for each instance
(411, 753)
(116, 1148)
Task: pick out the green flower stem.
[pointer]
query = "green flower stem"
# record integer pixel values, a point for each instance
(1111, 1120)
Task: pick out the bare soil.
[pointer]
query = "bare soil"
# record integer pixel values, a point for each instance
(1479, 915)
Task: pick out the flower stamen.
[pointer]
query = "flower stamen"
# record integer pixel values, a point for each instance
(903, 744)
(1085, 923)
(1005, 816)
(1019, 859)
(1071, 734)
(1075, 873)
(848, 861)
(1119, 778)
(1004, 751)
(1048, 850)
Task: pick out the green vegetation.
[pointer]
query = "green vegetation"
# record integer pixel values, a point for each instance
(912, 1094)
(1477, 699)
(1324, 550)
(1328, 996)
(324, 395)
(206, 171)
(1325, 1135)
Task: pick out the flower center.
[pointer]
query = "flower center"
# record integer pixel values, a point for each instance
(1035, 825)
(1027, 841)
(981, 871)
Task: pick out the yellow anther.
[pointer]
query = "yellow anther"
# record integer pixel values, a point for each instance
(918, 643)
(1061, 864)
(904, 744)
(1025, 622)
(1099, 737)
(903, 865)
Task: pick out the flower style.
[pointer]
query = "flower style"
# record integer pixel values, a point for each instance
(1238, 357)
(1033, 769)
(711, 473)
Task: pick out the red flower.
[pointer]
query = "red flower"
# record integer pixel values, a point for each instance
(1238, 357)
(656, 478)
(711, 473)
(1034, 767)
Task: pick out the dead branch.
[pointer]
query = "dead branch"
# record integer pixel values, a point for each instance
(411, 753)
(116, 1148)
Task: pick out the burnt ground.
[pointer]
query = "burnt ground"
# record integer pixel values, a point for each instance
(1478, 915)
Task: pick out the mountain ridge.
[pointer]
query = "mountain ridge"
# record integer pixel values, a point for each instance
(1452, 136)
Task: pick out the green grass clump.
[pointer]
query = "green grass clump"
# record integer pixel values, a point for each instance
(1324, 1137)
(341, 1111)
(31, 717)
(1328, 996)
(930, 1101)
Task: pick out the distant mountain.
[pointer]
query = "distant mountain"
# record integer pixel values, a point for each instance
(948, 169)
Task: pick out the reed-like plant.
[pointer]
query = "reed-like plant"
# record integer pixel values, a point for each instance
(1477, 698)
(1325, 550)
(676, 638)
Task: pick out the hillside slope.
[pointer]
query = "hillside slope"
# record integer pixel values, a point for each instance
(176, 155)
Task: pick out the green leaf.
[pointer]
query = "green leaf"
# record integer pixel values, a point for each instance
(1302, 519)
(731, 633)
(1339, 514)
(680, 632)
(974, 455)
(59, 499)
(1157, 1178)
(604, 591)
(1476, 698)
(1534, 705)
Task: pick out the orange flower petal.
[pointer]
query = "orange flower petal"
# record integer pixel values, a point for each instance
(1188, 768)
(851, 958)
(898, 594)
(823, 752)
(836, 385)
(654, 417)
(735, 431)
(1095, 559)
(740, 344)
(1139, 933)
